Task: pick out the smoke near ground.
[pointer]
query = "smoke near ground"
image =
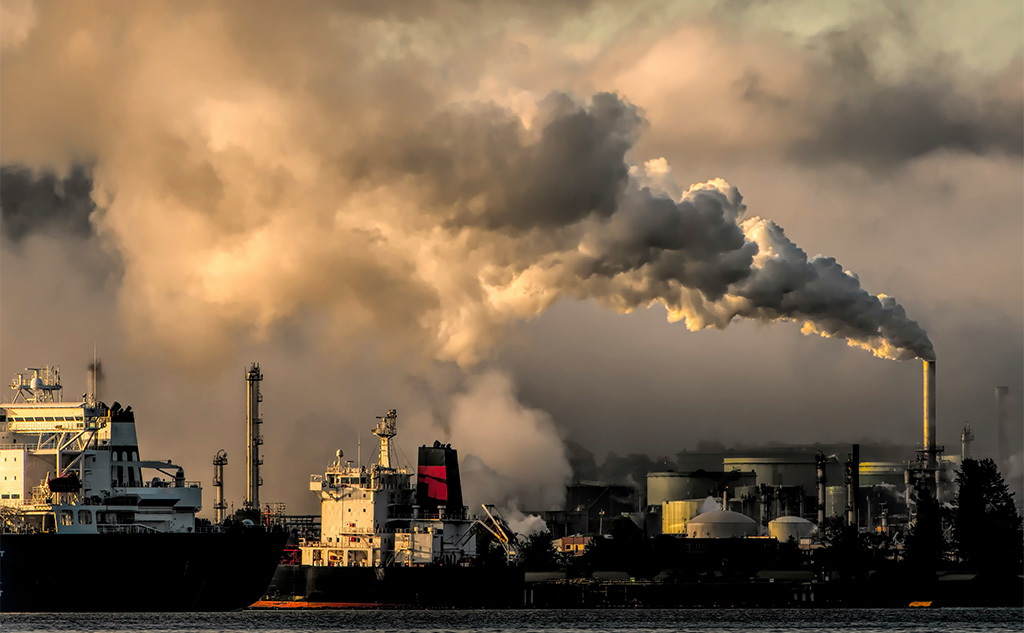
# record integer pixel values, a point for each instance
(261, 173)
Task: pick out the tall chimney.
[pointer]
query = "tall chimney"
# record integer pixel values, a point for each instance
(253, 438)
(853, 487)
(820, 460)
(929, 414)
(1002, 442)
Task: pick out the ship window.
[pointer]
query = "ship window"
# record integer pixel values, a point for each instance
(5, 496)
(49, 418)
(67, 517)
(16, 496)
(85, 517)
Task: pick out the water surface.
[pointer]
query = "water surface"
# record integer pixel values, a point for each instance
(568, 620)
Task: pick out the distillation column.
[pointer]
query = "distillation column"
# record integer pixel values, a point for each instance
(253, 438)
(219, 462)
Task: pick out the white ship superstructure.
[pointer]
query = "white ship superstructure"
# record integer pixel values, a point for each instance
(375, 517)
(74, 467)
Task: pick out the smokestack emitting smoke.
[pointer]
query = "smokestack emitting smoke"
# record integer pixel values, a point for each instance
(929, 413)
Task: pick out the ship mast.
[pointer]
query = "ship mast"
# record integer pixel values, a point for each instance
(386, 429)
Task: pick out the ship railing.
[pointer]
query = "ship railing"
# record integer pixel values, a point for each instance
(125, 528)
(159, 483)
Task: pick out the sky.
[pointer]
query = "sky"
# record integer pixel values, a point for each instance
(525, 227)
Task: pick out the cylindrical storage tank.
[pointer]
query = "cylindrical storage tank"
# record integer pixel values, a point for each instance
(721, 524)
(835, 501)
(667, 486)
(777, 471)
(676, 514)
(785, 528)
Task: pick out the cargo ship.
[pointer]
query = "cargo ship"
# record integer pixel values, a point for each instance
(86, 524)
(387, 542)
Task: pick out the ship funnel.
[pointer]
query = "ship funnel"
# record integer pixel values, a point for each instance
(437, 480)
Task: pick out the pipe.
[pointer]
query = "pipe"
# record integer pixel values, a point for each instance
(929, 414)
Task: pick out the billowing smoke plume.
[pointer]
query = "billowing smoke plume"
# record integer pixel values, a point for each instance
(510, 455)
(240, 199)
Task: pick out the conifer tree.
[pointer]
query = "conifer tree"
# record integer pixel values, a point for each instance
(987, 531)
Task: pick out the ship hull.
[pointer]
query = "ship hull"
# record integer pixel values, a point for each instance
(431, 586)
(220, 571)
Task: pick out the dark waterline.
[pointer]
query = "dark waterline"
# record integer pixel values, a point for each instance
(571, 621)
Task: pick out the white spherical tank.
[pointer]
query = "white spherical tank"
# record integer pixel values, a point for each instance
(721, 524)
(785, 528)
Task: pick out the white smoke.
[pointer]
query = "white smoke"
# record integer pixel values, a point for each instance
(710, 504)
(511, 455)
(525, 525)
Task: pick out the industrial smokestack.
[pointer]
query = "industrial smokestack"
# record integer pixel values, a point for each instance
(1002, 442)
(853, 486)
(820, 460)
(929, 414)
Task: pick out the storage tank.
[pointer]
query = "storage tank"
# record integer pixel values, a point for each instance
(676, 514)
(785, 528)
(678, 486)
(721, 524)
(777, 471)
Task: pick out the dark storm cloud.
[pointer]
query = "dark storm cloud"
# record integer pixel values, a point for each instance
(44, 203)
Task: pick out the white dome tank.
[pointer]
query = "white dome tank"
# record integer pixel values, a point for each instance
(784, 528)
(721, 524)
